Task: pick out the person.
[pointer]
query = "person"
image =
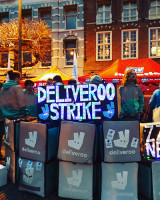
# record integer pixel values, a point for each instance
(30, 98)
(57, 80)
(96, 79)
(12, 97)
(49, 81)
(132, 99)
(155, 99)
(72, 82)
(2, 128)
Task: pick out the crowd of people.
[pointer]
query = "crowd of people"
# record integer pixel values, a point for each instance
(16, 102)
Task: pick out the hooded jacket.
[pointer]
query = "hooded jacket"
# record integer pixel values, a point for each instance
(132, 100)
(12, 100)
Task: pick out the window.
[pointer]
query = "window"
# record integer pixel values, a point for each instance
(70, 46)
(27, 58)
(103, 14)
(4, 59)
(154, 12)
(104, 46)
(130, 12)
(70, 13)
(46, 56)
(4, 17)
(154, 42)
(45, 14)
(129, 44)
(27, 13)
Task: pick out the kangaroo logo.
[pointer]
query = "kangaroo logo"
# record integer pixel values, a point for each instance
(76, 178)
(31, 141)
(77, 142)
(8, 162)
(121, 181)
(6, 132)
(123, 139)
(28, 176)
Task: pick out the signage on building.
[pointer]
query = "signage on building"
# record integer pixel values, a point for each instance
(77, 102)
(138, 70)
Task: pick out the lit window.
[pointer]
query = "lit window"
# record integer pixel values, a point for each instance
(27, 13)
(70, 13)
(154, 42)
(45, 14)
(129, 44)
(103, 14)
(104, 46)
(154, 11)
(70, 46)
(4, 17)
(130, 12)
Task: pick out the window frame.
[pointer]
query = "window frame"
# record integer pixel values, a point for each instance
(72, 15)
(103, 12)
(129, 30)
(24, 11)
(130, 16)
(23, 57)
(73, 41)
(155, 6)
(104, 32)
(2, 13)
(149, 41)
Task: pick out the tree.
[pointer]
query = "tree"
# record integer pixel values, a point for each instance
(35, 39)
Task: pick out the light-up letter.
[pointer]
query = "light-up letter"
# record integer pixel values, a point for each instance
(70, 111)
(43, 92)
(62, 105)
(54, 108)
(92, 89)
(94, 110)
(75, 92)
(79, 117)
(110, 91)
(83, 92)
(101, 92)
(149, 148)
(57, 94)
(50, 90)
(67, 87)
(86, 110)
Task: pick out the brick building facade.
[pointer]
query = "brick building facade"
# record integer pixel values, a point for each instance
(120, 29)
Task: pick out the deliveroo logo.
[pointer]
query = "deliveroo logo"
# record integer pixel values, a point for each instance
(110, 110)
(77, 142)
(123, 139)
(121, 181)
(28, 176)
(31, 141)
(76, 178)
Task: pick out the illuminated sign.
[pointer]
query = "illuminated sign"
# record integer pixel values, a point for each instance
(77, 102)
(137, 69)
(151, 135)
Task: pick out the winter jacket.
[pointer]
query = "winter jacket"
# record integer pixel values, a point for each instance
(12, 100)
(31, 102)
(155, 99)
(132, 100)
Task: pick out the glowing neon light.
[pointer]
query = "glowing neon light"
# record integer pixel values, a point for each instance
(78, 102)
